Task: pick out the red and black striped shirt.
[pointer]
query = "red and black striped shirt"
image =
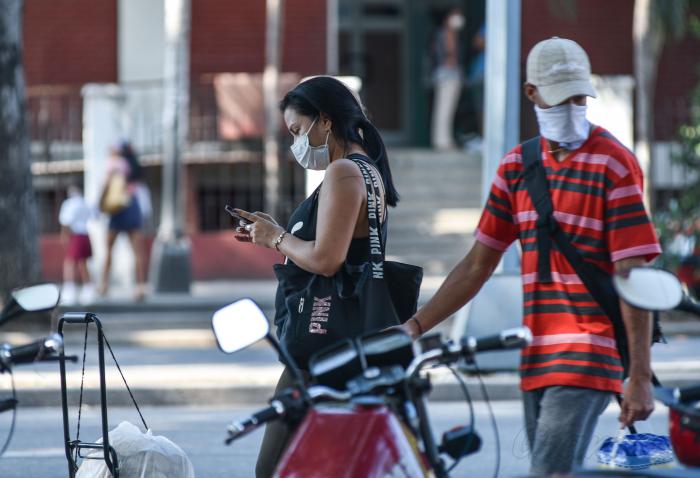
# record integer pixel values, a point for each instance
(597, 196)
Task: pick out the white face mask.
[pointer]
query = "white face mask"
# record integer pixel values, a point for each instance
(456, 22)
(311, 157)
(566, 124)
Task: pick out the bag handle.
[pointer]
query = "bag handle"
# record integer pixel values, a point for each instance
(376, 247)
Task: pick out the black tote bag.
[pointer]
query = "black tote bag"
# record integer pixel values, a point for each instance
(356, 300)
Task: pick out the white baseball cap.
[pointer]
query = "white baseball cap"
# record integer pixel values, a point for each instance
(560, 69)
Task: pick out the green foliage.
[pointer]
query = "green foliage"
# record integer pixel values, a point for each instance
(670, 16)
(676, 22)
(563, 9)
(689, 139)
(694, 26)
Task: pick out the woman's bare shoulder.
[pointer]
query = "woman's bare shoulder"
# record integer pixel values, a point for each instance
(343, 168)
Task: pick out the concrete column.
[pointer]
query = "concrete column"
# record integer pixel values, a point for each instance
(103, 128)
(170, 268)
(502, 92)
(332, 37)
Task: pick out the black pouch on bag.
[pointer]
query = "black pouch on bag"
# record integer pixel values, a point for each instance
(358, 299)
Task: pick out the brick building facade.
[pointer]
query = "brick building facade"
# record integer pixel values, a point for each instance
(68, 43)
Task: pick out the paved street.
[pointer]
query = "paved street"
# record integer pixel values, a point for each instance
(36, 449)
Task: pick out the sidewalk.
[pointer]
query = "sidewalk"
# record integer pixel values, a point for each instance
(233, 382)
(182, 322)
(208, 296)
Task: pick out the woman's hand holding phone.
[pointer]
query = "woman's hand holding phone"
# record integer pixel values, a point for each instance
(258, 227)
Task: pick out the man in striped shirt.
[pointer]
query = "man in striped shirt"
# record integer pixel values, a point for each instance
(572, 368)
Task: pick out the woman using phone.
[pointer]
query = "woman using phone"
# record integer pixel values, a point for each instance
(330, 227)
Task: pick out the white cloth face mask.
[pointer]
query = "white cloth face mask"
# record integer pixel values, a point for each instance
(311, 157)
(456, 22)
(566, 124)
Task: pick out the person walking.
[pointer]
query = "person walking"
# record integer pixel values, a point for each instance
(331, 227)
(447, 78)
(574, 364)
(74, 216)
(125, 174)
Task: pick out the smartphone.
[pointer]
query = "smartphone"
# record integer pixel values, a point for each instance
(243, 221)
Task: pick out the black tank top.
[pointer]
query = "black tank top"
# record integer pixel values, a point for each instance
(302, 224)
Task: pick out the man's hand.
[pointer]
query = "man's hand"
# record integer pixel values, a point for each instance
(637, 401)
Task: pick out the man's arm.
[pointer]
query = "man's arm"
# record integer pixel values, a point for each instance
(638, 401)
(460, 286)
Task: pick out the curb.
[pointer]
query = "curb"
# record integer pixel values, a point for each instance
(498, 388)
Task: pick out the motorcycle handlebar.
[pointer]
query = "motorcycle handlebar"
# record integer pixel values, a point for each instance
(515, 338)
(33, 352)
(687, 394)
(689, 305)
(321, 391)
(25, 353)
(243, 427)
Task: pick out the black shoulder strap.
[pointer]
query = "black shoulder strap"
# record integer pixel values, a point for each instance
(596, 281)
(548, 229)
(535, 178)
(376, 243)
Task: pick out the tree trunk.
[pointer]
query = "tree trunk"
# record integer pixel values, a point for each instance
(648, 40)
(19, 252)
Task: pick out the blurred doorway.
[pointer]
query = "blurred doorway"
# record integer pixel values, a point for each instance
(372, 45)
(389, 45)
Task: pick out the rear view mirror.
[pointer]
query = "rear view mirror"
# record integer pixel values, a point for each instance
(650, 289)
(37, 298)
(239, 325)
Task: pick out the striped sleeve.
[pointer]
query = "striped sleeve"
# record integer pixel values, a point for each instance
(497, 229)
(629, 232)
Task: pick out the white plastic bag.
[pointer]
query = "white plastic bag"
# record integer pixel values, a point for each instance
(140, 455)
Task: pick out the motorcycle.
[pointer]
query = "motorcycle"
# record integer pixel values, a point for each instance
(368, 392)
(35, 299)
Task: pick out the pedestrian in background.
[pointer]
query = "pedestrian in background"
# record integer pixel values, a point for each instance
(574, 364)
(331, 227)
(447, 79)
(74, 216)
(475, 85)
(120, 200)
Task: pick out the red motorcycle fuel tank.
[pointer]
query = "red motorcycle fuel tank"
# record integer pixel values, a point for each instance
(351, 441)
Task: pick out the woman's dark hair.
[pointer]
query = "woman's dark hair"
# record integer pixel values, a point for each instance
(330, 96)
(135, 169)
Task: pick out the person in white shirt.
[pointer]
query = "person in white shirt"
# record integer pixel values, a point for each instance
(73, 217)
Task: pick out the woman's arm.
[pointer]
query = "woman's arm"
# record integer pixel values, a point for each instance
(339, 206)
